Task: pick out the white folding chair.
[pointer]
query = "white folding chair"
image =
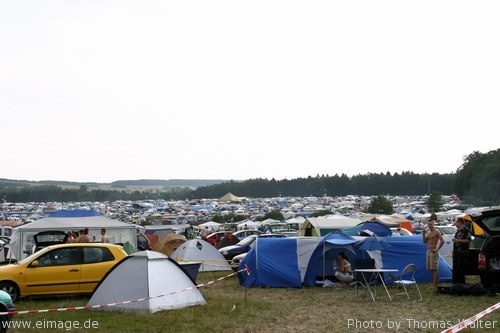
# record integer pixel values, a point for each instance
(407, 279)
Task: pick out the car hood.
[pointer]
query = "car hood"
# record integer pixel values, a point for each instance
(490, 221)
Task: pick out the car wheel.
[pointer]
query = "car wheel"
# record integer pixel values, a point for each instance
(11, 289)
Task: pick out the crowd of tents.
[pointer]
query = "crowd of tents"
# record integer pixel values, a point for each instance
(156, 280)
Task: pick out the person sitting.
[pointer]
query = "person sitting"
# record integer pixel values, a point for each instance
(343, 271)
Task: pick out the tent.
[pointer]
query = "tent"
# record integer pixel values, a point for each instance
(71, 220)
(146, 274)
(296, 262)
(377, 228)
(321, 226)
(211, 225)
(199, 250)
(278, 262)
(229, 197)
(168, 244)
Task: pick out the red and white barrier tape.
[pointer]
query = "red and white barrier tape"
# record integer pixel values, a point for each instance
(464, 323)
(206, 284)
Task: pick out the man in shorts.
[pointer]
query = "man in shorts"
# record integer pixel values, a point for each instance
(434, 242)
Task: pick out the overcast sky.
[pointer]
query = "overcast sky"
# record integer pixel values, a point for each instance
(108, 90)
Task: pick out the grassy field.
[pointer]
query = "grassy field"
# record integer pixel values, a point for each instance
(232, 308)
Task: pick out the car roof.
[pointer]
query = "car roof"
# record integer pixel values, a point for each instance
(82, 245)
(272, 236)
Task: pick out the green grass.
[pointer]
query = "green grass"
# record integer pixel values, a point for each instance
(232, 308)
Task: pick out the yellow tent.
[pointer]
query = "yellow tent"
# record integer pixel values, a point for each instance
(476, 230)
(229, 197)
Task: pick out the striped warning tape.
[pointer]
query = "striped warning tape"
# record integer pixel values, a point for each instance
(206, 284)
(464, 323)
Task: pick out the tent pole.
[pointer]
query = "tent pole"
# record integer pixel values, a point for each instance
(323, 257)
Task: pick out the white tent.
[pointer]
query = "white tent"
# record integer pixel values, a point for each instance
(320, 226)
(211, 225)
(118, 232)
(251, 225)
(199, 250)
(146, 274)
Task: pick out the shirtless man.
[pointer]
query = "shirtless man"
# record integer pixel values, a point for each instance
(434, 242)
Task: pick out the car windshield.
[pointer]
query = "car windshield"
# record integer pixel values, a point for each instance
(278, 227)
(32, 257)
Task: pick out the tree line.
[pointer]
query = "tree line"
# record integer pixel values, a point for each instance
(477, 181)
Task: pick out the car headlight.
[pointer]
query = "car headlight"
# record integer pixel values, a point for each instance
(224, 253)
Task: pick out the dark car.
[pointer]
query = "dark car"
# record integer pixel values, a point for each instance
(143, 242)
(244, 246)
(489, 254)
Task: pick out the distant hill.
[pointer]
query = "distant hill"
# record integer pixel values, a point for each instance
(119, 184)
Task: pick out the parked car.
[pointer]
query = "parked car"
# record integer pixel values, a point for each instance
(242, 234)
(143, 243)
(215, 237)
(74, 268)
(489, 253)
(244, 246)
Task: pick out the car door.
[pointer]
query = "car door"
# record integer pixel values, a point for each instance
(97, 261)
(54, 272)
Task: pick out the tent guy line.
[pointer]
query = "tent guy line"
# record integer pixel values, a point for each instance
(74, 308)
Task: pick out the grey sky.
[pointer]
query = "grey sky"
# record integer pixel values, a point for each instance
(107, 90)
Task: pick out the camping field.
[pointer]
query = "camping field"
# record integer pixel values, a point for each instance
(232, 308)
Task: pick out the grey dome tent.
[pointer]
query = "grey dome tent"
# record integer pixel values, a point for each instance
(146, 274)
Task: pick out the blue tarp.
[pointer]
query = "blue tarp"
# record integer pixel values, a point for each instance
(75, 213)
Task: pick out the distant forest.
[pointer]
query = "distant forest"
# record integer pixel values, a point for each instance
(477, 182)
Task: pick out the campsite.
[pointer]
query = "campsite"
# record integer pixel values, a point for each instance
(282, 284)
(232, 308)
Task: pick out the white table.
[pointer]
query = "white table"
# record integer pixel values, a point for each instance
(374, 275)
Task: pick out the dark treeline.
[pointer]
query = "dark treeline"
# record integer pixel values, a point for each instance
(371, 184)
(52, 193)
(477, 181)
(407, 183)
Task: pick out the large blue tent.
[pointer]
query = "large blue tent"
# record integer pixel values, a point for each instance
(296, 262)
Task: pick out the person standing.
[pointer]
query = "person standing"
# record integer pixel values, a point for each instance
(204, 233)
(104, 236)
(70, 237)
(435, 242)
(84, 236)
(461, 242)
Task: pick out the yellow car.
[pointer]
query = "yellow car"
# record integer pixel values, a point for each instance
(74, 268)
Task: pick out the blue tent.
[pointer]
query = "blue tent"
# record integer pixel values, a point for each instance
(296, 262)
(377, 228)
(278, 262)
(321, 263)
(411, 249)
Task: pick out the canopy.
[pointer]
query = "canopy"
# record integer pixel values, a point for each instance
(119, 232)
